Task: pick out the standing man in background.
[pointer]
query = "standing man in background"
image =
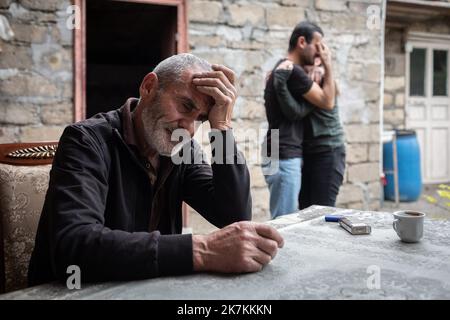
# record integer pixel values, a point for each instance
(323, 143)
(305, 46)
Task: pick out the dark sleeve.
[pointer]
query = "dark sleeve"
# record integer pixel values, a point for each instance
(76, 202)
(292, 108)
(299, 82)
(220, 192)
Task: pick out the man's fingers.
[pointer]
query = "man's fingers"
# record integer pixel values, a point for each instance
(227, 71)
(269, 232)
(287, 65)
(217, 75)
(213, 82)
(215, 92)
(269, 246)
(262, 258)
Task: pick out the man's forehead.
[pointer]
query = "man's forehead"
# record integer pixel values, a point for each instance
(189, 90)
(317, 36)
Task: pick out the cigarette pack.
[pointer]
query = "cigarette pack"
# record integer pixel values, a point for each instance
(354, 228)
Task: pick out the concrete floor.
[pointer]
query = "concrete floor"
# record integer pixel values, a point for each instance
(434, 211)
(200, 226)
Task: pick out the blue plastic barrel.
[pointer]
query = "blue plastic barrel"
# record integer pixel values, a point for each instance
(409, 174)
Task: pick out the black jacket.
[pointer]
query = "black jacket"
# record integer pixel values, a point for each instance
(102, 214)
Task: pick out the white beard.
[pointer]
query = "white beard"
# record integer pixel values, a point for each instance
(156, 134)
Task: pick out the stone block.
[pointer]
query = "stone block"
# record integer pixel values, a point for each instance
(240, 15)
(363, 172)
(374, 152)
(29, 32)
(394, 83)
(373, 113)
(354, 71)
(47, 5)
(388, 99)
(247, 45)
(394, 116)
(371, 91)
(205, 11)
(18, 114)
(21, 13)
(394, 63)
(358, 133)
(285, 17)
(67, 90)
(349, 193)
(5, 3)
(206, 41)
(296, 3)
(40, 133)
(372, 72)
(260, 204)
(356, 153)
(256, 177)
(8, 134)
(26, 84)
(251, 85)
(13, 56)
(212, 56)
(249, 109)
(374, 190)
(331, 5)
(61, 113)
(400, 100)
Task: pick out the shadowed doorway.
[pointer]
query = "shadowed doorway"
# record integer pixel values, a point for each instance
(124, 41)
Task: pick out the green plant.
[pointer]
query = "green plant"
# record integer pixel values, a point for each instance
(443, 197)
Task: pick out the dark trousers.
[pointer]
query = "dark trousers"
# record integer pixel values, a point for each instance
(322, 176)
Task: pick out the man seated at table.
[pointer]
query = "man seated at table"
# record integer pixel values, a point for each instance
(113, 207)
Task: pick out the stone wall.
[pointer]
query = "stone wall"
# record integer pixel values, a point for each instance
(36, 95)
(36, 76)
(250, 36)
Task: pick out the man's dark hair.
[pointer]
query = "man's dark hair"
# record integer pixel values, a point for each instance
(303, 29)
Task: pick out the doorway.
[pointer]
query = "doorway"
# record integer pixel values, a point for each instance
(124, 42)
(428, 104)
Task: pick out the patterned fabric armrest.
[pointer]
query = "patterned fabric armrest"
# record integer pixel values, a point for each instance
(24, 175)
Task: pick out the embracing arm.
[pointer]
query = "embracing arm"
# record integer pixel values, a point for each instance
(291, 108)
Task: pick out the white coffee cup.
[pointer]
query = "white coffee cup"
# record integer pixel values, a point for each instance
(409, 225)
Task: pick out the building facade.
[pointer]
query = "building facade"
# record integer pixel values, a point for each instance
(59, 65)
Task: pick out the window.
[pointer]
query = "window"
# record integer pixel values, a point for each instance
(417, 72)
(440, 72)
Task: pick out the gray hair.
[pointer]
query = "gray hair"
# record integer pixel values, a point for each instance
(171, 69)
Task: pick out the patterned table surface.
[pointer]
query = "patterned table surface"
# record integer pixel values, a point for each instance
(320, 260)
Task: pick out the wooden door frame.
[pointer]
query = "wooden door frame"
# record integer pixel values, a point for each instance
(79, 52)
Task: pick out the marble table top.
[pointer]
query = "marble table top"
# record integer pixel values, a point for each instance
(320, 260)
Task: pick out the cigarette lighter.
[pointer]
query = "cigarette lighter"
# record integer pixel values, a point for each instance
(332, 218)
(355, 228)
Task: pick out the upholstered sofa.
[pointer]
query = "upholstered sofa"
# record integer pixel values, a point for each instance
(24, 174)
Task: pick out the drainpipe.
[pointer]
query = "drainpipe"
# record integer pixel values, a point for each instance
(381, 128)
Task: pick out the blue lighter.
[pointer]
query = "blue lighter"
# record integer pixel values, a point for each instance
(332, 218)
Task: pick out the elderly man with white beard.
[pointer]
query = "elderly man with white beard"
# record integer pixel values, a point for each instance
(113, 206)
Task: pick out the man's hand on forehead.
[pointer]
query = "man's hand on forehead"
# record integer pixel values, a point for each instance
(218, 84)
(220, 77)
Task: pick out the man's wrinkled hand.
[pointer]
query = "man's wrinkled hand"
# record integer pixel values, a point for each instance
(218, 84)
(240, 247)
